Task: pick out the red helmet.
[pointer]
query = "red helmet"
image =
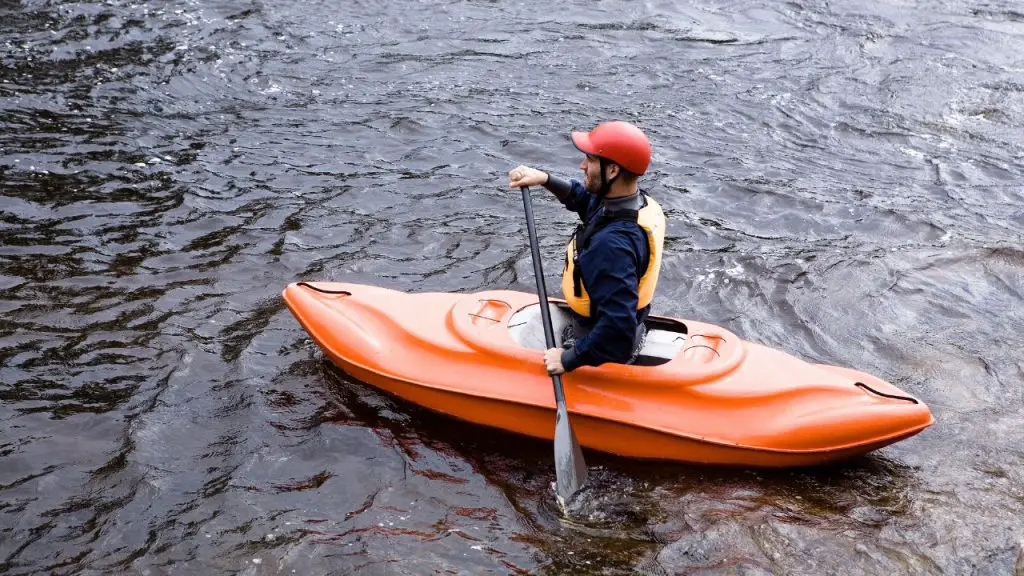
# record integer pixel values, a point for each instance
(618, 141)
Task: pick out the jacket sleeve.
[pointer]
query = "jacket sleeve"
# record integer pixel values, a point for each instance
(610, 276)
(572, 194)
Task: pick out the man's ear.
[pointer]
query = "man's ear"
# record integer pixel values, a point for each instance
(613, 170)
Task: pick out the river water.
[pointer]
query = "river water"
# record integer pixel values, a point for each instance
(842, 179)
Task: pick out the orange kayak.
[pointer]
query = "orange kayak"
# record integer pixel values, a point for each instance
(698, 393)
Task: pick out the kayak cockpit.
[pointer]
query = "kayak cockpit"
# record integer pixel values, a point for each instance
(663, 342)
(508, 325)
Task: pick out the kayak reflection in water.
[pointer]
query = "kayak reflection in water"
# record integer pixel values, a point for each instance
(613, 258)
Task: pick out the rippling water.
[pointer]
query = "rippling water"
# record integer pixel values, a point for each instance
(842, 181)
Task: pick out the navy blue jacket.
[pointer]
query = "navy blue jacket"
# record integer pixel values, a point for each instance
(612, 263)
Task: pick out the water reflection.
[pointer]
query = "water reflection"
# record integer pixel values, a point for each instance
(653, 516)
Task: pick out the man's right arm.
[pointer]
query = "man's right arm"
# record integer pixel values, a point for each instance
(572, 194)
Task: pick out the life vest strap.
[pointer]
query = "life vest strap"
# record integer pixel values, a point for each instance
(582, 239)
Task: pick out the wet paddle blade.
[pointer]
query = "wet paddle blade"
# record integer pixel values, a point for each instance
(570, 470)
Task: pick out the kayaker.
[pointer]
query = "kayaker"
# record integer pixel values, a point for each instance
(614, 256)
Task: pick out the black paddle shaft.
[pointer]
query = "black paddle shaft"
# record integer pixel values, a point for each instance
(570, 469)
(538, 272)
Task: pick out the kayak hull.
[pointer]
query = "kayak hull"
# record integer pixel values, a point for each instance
(411, 346)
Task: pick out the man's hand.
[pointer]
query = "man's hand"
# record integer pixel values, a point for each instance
(553, 361)
(525, 176)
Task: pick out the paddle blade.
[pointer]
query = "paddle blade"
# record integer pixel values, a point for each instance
(570, 469)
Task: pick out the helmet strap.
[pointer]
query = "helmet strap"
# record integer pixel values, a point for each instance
(606, 184)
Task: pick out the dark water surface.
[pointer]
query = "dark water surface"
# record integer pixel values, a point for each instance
(843, 181)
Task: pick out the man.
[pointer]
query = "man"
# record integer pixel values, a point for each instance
(614, 255)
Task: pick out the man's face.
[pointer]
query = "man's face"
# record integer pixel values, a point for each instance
(591, 167)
